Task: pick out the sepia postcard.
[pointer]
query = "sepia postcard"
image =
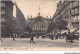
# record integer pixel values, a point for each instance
(39, 25)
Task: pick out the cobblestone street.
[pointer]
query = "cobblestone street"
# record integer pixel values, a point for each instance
(39, 43)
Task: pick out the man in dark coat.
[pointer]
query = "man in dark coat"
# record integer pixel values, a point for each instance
(31, 38)
(70, 36)
(51, 36)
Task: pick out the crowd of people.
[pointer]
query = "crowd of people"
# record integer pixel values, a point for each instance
(68, 36)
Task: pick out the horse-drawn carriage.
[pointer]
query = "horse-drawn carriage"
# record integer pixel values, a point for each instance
(71, 37)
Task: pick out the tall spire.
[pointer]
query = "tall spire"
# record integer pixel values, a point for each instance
(39, 8)
(39, 11)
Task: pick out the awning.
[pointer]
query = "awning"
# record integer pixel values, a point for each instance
(64, 31)
(72, 30)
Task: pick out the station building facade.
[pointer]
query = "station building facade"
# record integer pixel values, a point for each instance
(39, 24)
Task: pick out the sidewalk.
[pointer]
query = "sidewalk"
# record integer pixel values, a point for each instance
(25, 42)
(40, 44)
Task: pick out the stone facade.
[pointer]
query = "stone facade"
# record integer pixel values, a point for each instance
(69, 12)
(9, 23)
(39, 24)
(75, 14)
(6, 18)
(20, 19)
(19, 22)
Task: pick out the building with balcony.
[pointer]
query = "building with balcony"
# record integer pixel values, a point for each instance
(6, 18)
(75, 14)
(69, 12)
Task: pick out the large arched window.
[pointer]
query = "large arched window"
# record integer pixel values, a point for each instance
(39, 25)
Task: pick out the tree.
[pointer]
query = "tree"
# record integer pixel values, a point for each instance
(61, 24)
(51, 27)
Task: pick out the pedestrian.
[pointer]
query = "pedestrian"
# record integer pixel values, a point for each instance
(1, 40)
(31, 38)
(51, 35)
(70, 36)
(57, 36)
(37, 35)
(42, 37)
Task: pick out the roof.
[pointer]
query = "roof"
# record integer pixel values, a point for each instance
(39, 17)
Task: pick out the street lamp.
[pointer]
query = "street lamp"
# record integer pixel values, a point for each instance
(13, 35)
(13, 30)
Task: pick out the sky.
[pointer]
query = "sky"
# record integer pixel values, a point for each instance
(31, 7)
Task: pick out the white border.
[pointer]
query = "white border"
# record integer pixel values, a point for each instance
(39, 52)
(79, 25)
